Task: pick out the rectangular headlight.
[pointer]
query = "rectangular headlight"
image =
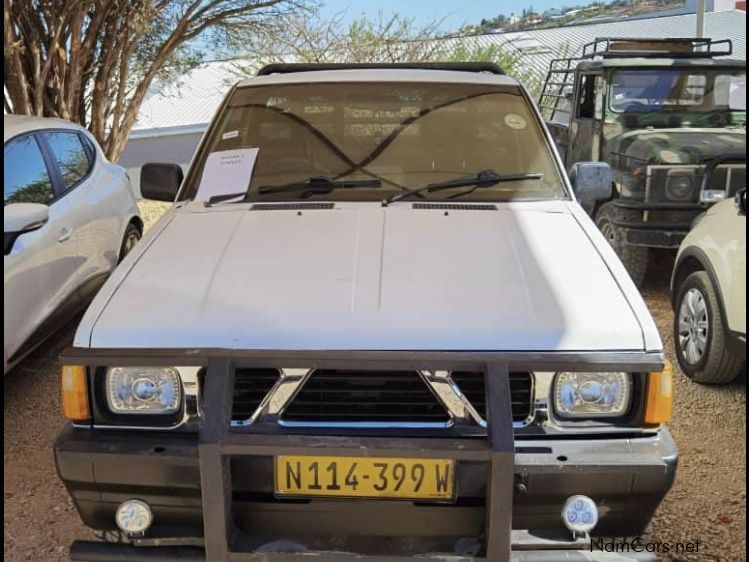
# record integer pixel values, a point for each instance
(143, 390)
(592, 395)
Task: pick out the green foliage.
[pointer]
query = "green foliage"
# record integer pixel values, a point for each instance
(94, 61)
(396, 38)
(37, 191)
(469, 49)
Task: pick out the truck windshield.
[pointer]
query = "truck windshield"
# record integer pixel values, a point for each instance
(680, 91)
(403, 135)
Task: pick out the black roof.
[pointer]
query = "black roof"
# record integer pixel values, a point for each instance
(286, 68)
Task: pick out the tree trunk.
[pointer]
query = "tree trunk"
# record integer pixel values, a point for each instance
(93, 61)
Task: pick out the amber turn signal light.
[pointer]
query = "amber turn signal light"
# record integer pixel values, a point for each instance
(75, 393)
(660, 396)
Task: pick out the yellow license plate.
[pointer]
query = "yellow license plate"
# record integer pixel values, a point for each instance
(365, 477)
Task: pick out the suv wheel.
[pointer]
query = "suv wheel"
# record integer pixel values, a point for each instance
(634, 258)
(129, 240)
(699, 333)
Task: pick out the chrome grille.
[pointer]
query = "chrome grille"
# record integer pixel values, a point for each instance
(359, 398)
(472, 385)
(346, 396)
(250, 387)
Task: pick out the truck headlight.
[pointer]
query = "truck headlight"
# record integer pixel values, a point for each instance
(143, 390)
(680, 187)
(592, 395)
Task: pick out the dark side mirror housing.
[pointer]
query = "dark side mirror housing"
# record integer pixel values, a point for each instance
(741, 201)
(592, 181)
(160, 182)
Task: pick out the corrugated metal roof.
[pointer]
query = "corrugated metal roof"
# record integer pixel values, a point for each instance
(189, 100)
(193, 99)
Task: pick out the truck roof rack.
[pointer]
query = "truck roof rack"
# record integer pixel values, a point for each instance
(560, 77)
(286, 68)
(669, 47)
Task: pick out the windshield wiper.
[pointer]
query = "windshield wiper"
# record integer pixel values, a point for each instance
(487, 178)
(318, 184)
(315, 184)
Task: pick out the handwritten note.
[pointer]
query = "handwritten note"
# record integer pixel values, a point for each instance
(227, 171)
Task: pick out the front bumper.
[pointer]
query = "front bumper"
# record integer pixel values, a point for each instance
(655, 234)
(212, 492)
(627, 477)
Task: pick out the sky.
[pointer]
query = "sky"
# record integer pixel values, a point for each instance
(454, 12)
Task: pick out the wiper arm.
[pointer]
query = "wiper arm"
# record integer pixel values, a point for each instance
(487, 178)
(316, 184)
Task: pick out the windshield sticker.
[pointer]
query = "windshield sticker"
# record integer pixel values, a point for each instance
(226, 172)
(515, 121)
(737, 94)
(230, 135)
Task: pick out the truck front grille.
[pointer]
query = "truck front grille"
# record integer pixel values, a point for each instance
(347, 396)
(250, 387)
(726, 177)
(471, 384)
(343, 397)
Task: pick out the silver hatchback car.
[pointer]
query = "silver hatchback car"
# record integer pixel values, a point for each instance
(69, 218)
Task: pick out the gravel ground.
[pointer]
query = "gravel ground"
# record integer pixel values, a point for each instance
(707, 503)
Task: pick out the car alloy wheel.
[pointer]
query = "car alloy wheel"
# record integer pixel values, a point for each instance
(693, 326)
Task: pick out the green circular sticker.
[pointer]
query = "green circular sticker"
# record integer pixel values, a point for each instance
(515, 121)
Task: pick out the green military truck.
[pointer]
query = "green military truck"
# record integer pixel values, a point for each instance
(668, 116)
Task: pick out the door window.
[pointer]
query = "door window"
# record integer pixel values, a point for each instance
(589, 103)
(25, 175)
(70, 155)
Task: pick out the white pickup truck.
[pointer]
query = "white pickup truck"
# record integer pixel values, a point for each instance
(375, 325)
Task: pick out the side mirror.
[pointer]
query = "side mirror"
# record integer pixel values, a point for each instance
(591, 181)
(741, 201)
(160, 182)
(24, 217)
(19, 218)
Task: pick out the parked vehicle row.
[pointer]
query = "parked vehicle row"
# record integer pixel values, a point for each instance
(376, 322)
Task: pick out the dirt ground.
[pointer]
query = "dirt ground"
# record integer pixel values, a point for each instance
(707, 503)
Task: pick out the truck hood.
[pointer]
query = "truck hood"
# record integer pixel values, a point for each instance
(524, 276)
(678, 146)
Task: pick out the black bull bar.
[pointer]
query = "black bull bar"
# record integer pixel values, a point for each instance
(219, 443)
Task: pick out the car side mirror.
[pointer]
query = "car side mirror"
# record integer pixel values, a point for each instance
(160, 182)
(19, 218)
(24, 217)
(591, 181)
(741, 201)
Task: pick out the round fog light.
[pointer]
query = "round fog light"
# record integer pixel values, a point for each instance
(134, 517)
(580, 514)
